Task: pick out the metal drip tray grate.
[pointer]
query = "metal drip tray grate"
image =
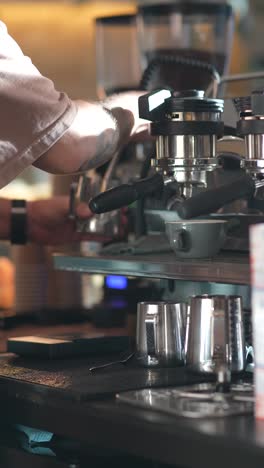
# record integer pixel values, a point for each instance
(206, 391)
(196, 401)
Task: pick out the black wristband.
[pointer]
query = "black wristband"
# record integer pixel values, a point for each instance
(18, 227)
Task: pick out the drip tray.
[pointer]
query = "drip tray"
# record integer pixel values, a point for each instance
(194, 401)
(206, 391)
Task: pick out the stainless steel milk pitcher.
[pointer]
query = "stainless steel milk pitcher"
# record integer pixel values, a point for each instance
(215, 334)
(160, 333)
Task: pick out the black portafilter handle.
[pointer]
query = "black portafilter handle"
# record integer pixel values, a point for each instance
(211, 200)
(125, 194)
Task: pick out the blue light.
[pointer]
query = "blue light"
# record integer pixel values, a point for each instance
(116, 282)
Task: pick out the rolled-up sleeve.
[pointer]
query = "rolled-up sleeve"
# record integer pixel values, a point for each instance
(33, 114)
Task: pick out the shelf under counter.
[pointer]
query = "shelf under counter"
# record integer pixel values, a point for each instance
(227, 267)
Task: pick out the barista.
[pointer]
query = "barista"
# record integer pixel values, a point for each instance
(43, 127)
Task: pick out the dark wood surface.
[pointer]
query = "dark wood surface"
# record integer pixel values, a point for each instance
(24, 328)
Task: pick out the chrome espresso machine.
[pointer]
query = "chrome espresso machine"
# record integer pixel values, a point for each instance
(197, 167)
(176, 48)
(189, 175)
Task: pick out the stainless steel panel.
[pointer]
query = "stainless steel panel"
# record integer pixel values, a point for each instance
(229, 269)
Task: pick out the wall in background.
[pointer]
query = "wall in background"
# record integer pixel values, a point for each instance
(59, 38)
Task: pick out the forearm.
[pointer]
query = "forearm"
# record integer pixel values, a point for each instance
(51, 131)
(92, 139)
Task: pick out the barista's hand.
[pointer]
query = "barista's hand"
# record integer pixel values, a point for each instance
(49, 223)
(136, 128)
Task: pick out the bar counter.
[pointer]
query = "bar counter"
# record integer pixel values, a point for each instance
(43, 394)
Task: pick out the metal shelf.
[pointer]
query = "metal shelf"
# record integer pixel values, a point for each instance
(226, 268)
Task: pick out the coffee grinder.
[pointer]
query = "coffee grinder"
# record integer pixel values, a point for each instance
(117, 56)
(174, 35)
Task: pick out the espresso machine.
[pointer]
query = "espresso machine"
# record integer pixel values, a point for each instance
(186, 126)
(189, 176)
(248, 169)
(180, 45)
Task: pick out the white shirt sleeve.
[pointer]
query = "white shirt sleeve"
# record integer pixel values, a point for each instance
(33, 114)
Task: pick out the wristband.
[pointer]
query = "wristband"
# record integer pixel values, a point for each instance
(19, 225)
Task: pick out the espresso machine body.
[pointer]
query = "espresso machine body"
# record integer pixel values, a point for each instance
(187, 175)
(190, 178)
(186, 127)
(185, 45)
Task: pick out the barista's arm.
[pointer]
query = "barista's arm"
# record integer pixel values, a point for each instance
(43, 127)
(95, 134)
(90, 141)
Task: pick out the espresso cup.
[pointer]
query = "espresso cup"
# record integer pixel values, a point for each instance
(200, 238)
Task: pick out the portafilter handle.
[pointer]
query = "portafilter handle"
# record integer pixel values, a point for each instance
(210, 201)
(125, 194)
